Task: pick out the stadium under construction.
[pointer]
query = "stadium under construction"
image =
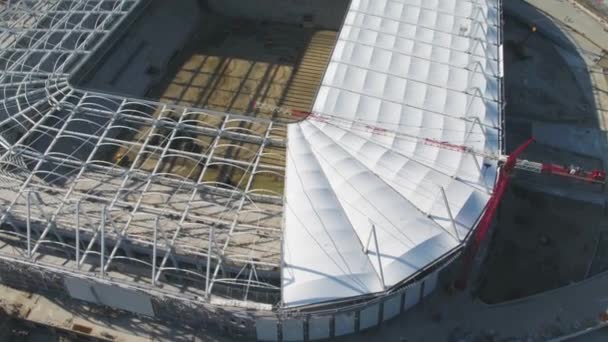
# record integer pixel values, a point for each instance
(271, 167)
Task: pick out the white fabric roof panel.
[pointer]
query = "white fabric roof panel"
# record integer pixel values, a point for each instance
(402, 71)
(322, 249)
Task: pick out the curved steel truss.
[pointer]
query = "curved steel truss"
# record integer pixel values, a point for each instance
(127, 189)
(191, 201)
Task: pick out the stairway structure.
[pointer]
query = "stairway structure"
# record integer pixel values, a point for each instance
(305, 83)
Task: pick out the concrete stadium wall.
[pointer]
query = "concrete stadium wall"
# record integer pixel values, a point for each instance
(236, 322)
(327, 14)
(230, 320)
(313, 326)
(170, 311)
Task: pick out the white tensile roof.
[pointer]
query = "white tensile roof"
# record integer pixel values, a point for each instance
(402, 71)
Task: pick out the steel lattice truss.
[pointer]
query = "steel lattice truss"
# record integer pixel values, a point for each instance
(101, 185)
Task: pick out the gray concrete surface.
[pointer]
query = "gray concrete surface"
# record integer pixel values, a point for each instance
(32, 312)
(551, 98)
(321, 13)
(138, 58)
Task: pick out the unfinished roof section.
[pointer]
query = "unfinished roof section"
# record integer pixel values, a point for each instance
(210, 191)
(134, 177)
(200, 55)
(369, 202)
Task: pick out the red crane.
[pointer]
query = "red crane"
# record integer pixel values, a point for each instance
(507, 165)
(570, 171)
(511, 162)
(504, 176)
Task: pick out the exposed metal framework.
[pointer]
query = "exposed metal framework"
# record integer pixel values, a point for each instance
(97, 184)
(190, 202)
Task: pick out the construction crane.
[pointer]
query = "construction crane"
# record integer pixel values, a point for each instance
(570, 171)
(507, 165)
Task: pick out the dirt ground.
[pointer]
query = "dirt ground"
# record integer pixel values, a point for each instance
(277, 65)
(543, 241)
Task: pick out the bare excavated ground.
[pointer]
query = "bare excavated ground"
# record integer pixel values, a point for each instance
(542, 242)
(544, 238)
(248, 62)
(276, 66)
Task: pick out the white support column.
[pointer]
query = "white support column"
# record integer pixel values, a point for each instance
(154, 238)
(81, 171)
(78, 235)
(102, 242)
(29, 226)
(378, 255)
(251, 271)
(447, 207)
(369, 238)
(208, 270)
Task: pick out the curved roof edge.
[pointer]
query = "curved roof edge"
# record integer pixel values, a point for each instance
(367, 201)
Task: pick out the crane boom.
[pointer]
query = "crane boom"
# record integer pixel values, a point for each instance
(507, 165)
(571, 171)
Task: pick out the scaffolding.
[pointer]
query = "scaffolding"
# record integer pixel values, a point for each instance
(125, 190)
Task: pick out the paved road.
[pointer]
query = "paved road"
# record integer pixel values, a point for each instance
(600, 6)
